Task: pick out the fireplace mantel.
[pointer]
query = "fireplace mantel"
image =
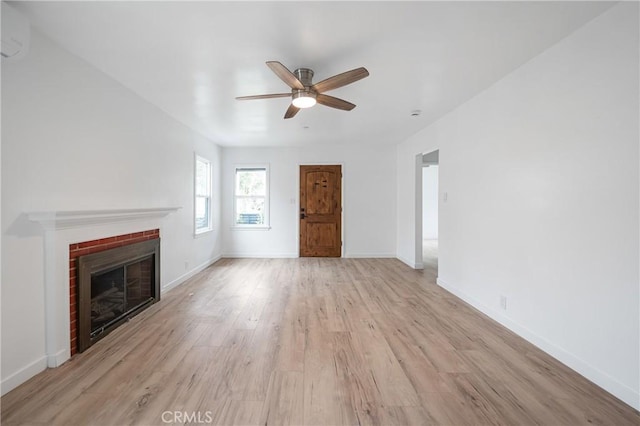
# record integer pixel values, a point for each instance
(56, 220)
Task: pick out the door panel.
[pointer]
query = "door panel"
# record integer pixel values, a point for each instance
(320, 211)
(319, 198)
(321, 235)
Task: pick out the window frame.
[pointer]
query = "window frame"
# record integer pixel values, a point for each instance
(209, 197)
(267, 216)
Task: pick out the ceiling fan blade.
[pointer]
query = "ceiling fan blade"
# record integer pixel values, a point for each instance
(340, 80)
(273, 95)
(291, 111)
(285, 75)
(332, 102)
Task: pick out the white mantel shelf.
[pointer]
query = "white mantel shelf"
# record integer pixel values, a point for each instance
(55, 220)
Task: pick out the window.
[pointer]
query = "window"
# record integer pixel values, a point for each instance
(251, 197)
(202, 207)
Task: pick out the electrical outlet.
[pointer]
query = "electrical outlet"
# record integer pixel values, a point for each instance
(503, 302)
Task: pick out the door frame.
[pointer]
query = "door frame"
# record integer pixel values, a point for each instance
(417, 262)
(297, 203)
(419, 193)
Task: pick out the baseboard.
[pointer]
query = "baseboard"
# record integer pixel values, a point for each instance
(600, 378)
(24, 374)
(369, 256)
(260, 255)
(59, 358)
(191, 273)
(414, 265)
(295, 255)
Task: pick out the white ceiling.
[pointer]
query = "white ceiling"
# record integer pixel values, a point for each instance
(191, 59)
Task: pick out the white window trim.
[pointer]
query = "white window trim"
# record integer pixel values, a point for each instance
(267, 213)
(199, 232)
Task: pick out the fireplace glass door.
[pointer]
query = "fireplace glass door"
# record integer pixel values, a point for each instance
(118, 291)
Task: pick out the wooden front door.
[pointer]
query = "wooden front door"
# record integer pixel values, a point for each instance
(320, 211)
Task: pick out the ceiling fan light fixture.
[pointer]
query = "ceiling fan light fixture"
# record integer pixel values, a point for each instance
(303, 98)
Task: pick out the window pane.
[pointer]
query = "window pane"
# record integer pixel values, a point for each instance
(202, 213)
(203, 179)
(250, 211)
(251, 182)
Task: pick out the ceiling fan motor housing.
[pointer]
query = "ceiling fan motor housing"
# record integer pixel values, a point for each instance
(305, 75)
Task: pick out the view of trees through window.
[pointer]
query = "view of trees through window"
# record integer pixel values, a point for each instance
(250, 196)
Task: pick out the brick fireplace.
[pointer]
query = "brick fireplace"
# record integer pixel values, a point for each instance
(76, 250)
(68, 234)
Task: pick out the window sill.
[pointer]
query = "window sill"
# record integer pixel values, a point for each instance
(202, 233)
(250, 228)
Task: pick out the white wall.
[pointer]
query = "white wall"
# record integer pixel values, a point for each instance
(74, 139)
(369, 211)
(430, 202)
(541, 172)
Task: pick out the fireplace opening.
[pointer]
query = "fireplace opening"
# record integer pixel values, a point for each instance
(115, 285)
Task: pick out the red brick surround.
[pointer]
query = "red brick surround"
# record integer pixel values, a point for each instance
(90, 247)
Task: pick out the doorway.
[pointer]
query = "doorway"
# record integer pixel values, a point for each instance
(430, 196)
(321, 211)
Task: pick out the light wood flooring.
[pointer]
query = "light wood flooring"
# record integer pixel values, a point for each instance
(430, 259)
(312, 342)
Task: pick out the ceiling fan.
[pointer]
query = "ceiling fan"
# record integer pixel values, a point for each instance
(305, 94)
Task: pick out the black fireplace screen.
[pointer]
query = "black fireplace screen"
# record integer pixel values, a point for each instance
(115, 285)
